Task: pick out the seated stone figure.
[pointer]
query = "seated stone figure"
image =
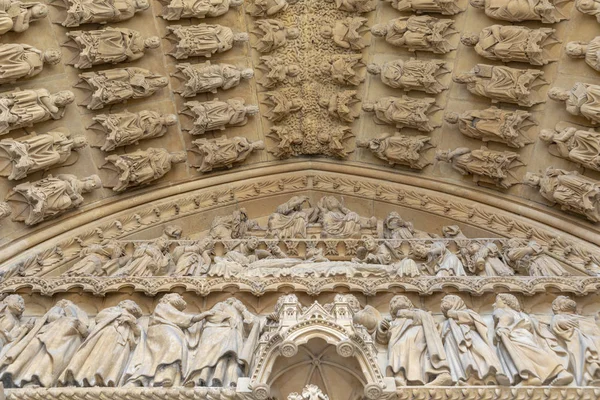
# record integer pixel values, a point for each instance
(572, 191)
(403, 112)
(16, 16)
(108, 46)
(399, 150)
(418, 33)
(101, 259)
(347, 33)
(355, 6)
(266, 8)
(582, 100)
(21, 61)
(290, 220)
(345, 69)
(581, 147)
(413, 74)
(590, 51)
(272, 34)
(444, 7)
(485, 165)
(174, 10)
(79, 12)
(140, 168)
(207, 77)
(127, 128)
(117, 85)
(34, 202)
(590, 7)
(546, 11)
(276, 71)
(202, 40)
(216, 115)
(337, 221)
(23, 156)
(509, 85)
(512, 43)
(494, 125)
(222, 152)
(20, 109)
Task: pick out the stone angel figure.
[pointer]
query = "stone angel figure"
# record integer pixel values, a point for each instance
(589, 51)
(354, 6)
(41, 355)
(418, 33)
(504, 84)
(174, 10)
(34, 202)
(21, 109)
(494, 125)
(28, 154)
(513, 43)
(416, 354)
(12, 325)
(531, 258)
(99, 259)
(102, 358)
(527, 350)
(579, 146)
(399, 149)
(471, 356)
(403, 112)
(202, 40)
(193, 259)
(272, 34)
(342, 105)
(345, 69)
(79, 12)
(347, 33)
(276, 71)
(127, 128)
(546, 11)
(267, 8)
(108, 46)
(140, 168)
(118, 85)
(444, 7)
(223, 152)
(217, 115)
(589, 7)
(280, 106)
(22, 61)
(582, 100)
(485, 165)
(421, 75)
(572, 191)
(16, 16)
(207, 77)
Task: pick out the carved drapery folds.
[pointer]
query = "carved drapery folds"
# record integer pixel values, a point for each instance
(174, 10)
(577, 145)
(521, 10)
(16, 16)
(79, 12)
(581, 99)
(21, 61)
(412, 74)
(202, 40)
(217, 115)
(222, 152)
(418, 33)
(400, 149)
(208, 78)
(403, 112)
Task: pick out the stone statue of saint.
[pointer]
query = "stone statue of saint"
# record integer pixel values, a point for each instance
(589, 7)
(403, 112)
(397, 229)
(590, 51)
(354, 6)
(504, 84)
(440, 261)
(494, 125)
(267, 8)
(418, 33)
(277, 71)
(280, 106)
(444, 7)
(21, 61)
(102, 357)
(161, 357)
(470, 353)
(485, 165)
(117, 85)
(421, 75)
(127, 128)
(234, 226)
(581, 147)
(102, 259)
(531, 258)
(139, 168)
(337, 221)
(202, 40)
(572, 191)
(41, 355)
(223, 152)
(527, 350)
(485, 259)
(217, 115)
(20, 109)
(546, 11)
(272, 34)
(16, 16)
(347, 33)
(342, 105)
(34, 202)
(174, 10)
(207, 77)
(193, 259)
(399, 149)
(23, 156)
(81, 12)
(345, 69)
(12, 326)
(416, 354)
(223, 348)
(580, 336)
(512, 43)
(582, 100)
(108, 46)
(290, 220)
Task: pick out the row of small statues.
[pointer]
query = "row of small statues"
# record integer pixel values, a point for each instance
(215, 348)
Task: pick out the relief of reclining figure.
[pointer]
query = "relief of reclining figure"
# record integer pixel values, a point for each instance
(222, 152)
(79, 12)
(399, 149)
(207, 77)
(216, 115)
(202, 40)
(403, 112)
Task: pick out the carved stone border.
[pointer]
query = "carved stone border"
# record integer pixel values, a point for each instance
(313, 286)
